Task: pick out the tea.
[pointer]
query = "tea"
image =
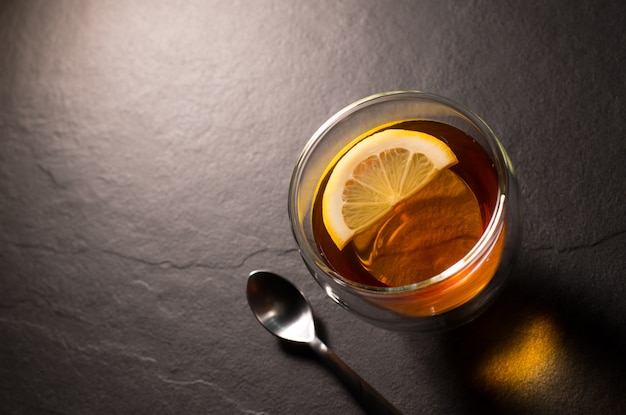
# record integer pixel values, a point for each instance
(427, 233)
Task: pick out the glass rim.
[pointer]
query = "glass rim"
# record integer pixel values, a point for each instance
(489, 236)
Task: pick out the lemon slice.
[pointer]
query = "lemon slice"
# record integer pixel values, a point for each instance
(375, 175)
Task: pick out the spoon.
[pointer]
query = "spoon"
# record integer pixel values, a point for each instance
(284, 311)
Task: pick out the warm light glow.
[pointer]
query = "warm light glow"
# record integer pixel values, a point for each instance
(527, 361)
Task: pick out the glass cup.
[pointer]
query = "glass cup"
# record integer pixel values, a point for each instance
(451, 297)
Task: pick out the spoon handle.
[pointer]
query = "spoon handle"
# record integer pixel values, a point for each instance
(370, 400)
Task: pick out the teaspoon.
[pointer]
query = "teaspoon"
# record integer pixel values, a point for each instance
(284, 311)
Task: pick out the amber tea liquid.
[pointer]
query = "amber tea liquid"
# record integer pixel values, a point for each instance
(428, 233)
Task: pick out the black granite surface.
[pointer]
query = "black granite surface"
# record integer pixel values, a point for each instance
(146, 149)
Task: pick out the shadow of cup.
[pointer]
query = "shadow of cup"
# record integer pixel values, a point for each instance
(540, 353)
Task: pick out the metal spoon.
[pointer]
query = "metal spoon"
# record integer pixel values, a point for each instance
(284, 311)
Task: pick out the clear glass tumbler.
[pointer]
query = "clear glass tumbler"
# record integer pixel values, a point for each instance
(449, 298)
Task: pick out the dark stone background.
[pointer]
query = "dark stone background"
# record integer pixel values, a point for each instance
(146, 149)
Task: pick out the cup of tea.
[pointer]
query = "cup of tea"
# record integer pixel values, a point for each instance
(405, 209)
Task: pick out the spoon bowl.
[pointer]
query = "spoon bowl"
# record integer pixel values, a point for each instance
(280, 307)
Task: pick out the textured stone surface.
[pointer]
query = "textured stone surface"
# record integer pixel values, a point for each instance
(145, 154)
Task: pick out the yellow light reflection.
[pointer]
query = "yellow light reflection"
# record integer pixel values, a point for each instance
(527, 362)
